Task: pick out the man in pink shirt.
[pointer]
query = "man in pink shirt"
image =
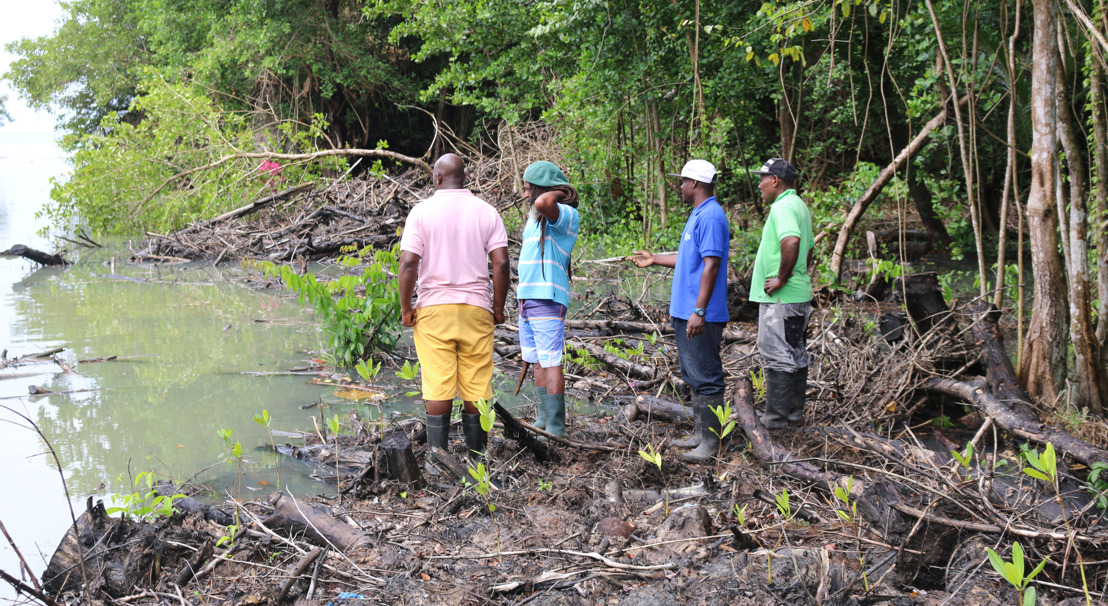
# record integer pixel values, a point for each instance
(448, 241)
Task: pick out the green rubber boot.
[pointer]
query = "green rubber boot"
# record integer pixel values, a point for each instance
(710, 430)
(540, 415)
(438, 427)
(555, 405)
(693, 440)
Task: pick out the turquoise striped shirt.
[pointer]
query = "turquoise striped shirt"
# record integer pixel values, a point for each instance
(547, 277)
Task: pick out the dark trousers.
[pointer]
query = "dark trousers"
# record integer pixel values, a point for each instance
(701, 366)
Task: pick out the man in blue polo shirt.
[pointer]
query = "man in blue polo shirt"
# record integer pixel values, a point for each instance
(698, 302)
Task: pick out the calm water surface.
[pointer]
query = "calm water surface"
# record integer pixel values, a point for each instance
(184, 336)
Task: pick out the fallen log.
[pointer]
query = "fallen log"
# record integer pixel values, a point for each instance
(625, 367)
(315, 522)
(37, 256)
(764, 447)
(656, 408)
(1011, 419)
(514, 430)
(623, 326)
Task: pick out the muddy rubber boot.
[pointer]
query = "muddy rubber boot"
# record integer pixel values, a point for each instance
(800, 389)
(693, 440)
(477, 439)
(779, 388)
(438, 428)
(540, 415)
(710, 428)
(555, 405)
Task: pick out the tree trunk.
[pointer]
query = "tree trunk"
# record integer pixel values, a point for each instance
(1086, 353)
(922, 198)
(1100, 155)
(1044, 362)
(878, 184)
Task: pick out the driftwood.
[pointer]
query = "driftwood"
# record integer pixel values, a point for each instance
(646, 405)
(37, 256)
(316, 523)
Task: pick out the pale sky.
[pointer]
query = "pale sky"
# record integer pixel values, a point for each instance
(23, 19)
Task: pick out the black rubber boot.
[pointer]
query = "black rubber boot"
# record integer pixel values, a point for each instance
(800, 389)
(438, 428)
(477, 439)
(693, 440)
(540, 415)
(555, 405)
(710, 429)
(779, 389)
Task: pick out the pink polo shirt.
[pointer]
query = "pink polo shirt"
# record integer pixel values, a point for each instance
(453, 232)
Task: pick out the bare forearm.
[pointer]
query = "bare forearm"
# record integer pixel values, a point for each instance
(790, 250)
(665, 260)
(707, 281)
(408, 272)
(501, 277)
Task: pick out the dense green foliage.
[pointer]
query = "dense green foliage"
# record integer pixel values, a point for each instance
(150, 89)
(360, 311)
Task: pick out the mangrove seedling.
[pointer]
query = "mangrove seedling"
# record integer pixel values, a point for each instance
(850, 516)
(334, 425)
(652, 456)
(367, 370)
(1045, 467)
(144, 505)
(723, 413)
(236, 457)
(263, 420)
(758, 382)
(409, 372)
(783, 504)
(1013, 572)
(965, 457)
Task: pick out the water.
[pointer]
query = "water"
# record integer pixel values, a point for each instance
(183, 336)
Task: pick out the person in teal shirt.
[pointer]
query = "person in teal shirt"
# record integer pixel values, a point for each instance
(783, 290)
(543, 294)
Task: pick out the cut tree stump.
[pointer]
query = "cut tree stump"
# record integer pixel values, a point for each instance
(396, 458)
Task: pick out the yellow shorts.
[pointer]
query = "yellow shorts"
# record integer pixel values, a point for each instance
(454, 345)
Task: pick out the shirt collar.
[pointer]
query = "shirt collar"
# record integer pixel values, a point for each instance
(704, 204)
(785, 193)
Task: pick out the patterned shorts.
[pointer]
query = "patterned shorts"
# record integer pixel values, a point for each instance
(542, 331)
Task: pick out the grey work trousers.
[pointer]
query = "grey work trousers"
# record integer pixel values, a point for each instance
(781, 335)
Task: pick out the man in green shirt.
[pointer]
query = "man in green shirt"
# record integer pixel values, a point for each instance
(783, 290)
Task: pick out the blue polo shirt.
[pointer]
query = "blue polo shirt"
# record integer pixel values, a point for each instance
(705, 235)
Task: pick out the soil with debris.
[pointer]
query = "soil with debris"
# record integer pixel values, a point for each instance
(875, 517)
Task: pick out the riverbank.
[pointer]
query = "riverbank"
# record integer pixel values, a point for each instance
(864, 504)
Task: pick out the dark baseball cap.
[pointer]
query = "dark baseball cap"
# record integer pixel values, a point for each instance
(779, 168)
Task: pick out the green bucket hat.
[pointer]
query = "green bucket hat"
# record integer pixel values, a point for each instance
(544, 174)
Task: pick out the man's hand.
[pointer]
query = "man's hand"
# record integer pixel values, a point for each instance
(642, 258)
(694, 326)
(408, 317)
(498, 316)
(773, 284)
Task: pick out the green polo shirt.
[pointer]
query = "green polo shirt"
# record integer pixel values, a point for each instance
(788, 216)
